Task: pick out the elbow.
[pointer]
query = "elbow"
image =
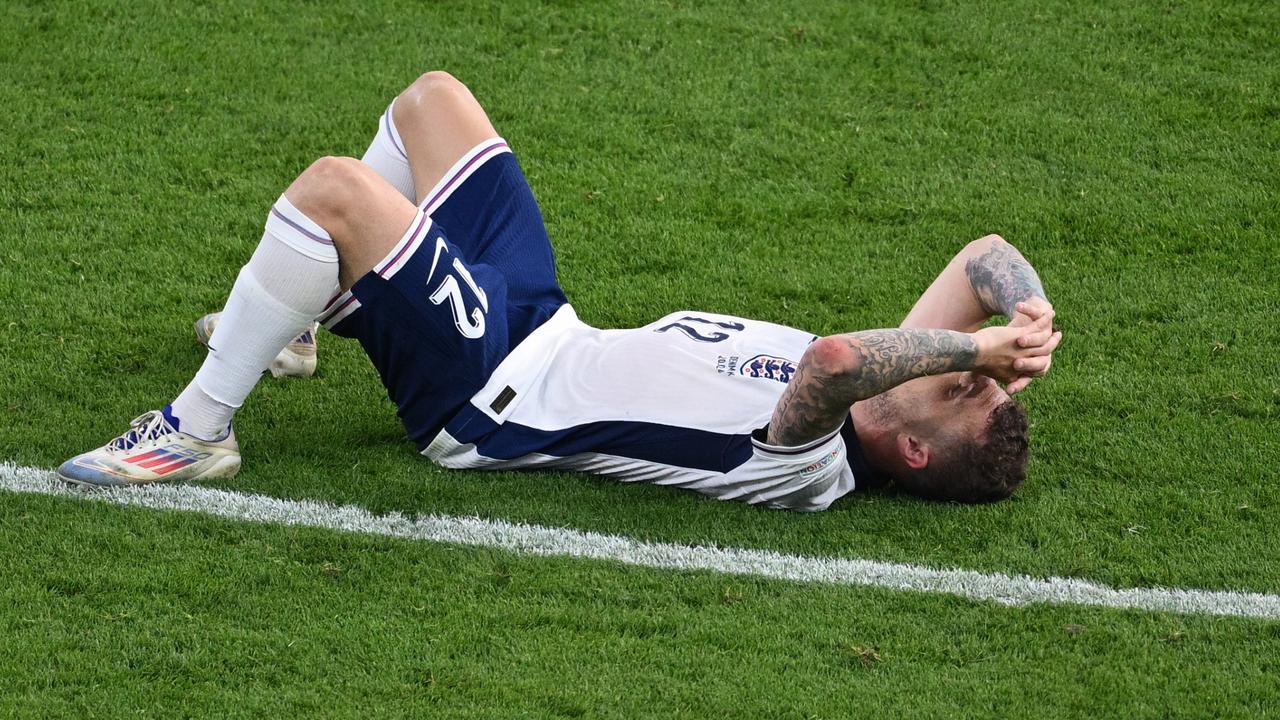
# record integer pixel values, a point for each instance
(831, 356)
(983, 245)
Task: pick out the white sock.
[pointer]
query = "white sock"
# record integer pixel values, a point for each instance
(277, 295)
(200, 415)
(387, 157)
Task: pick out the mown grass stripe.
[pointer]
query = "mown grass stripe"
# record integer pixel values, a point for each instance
(548, 541)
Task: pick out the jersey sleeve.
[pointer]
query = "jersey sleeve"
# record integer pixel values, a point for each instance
(807, 478)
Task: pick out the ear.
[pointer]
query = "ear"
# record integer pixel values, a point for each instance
(914, 453)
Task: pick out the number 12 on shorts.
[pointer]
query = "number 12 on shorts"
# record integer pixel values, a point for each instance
(471, 326)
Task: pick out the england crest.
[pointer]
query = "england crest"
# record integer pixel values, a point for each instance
(770, 367)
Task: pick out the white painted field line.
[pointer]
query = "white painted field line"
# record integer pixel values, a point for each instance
(536, 540)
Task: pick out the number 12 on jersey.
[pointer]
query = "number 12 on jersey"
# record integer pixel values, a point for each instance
(697, 333)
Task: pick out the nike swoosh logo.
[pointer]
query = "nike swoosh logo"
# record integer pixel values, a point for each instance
(440, 247)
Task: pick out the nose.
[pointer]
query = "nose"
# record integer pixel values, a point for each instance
(976, 384)
(962, 385)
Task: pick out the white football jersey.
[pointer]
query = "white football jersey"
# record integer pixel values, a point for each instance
(682, 401)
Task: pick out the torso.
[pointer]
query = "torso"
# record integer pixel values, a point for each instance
(674, 402)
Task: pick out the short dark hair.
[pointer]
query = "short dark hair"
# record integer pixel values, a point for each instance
(977, 471)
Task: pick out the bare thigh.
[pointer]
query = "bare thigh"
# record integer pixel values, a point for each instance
(439, 120)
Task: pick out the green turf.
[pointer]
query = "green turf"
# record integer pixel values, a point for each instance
(231, 619)
(812, 164)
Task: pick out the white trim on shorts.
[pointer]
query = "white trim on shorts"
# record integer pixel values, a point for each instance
(461, 170)
(405, 247)
(342, 305)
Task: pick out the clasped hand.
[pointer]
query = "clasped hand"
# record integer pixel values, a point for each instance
(1022, 350)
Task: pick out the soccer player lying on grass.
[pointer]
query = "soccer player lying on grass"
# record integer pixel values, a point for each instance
(432, 253)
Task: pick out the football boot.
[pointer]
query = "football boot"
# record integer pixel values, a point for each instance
(297, 359)
(154, 450)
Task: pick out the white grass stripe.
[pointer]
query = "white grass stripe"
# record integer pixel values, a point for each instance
(535, 540)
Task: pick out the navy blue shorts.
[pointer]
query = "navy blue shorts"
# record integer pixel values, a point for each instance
(472, 277)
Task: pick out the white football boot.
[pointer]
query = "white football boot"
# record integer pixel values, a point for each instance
(297, 359)
(154, 450)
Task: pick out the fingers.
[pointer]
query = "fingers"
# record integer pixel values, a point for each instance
(1015, 355)
(1038, 332)
(1045, 348)
(1033, 312)
(1020, 320)
(1036, 345)
(1034, 308)
(1018, 385)
(1030, 310)
(1033, 366)
(1039, 336)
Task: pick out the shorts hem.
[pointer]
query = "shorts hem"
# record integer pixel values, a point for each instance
(346, 302)
(473, 160)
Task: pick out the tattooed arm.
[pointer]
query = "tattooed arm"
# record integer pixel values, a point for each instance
(1001, 278)
(1004, 282)
(988, 277)
(839, 370)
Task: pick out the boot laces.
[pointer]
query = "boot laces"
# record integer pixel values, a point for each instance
(147, 426)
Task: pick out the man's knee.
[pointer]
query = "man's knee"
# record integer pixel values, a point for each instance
(329, 190)
(433, 92)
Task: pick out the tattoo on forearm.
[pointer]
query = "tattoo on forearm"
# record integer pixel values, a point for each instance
(1002, 278)
(817, 399)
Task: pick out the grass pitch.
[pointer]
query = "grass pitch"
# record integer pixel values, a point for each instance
(810, 164)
